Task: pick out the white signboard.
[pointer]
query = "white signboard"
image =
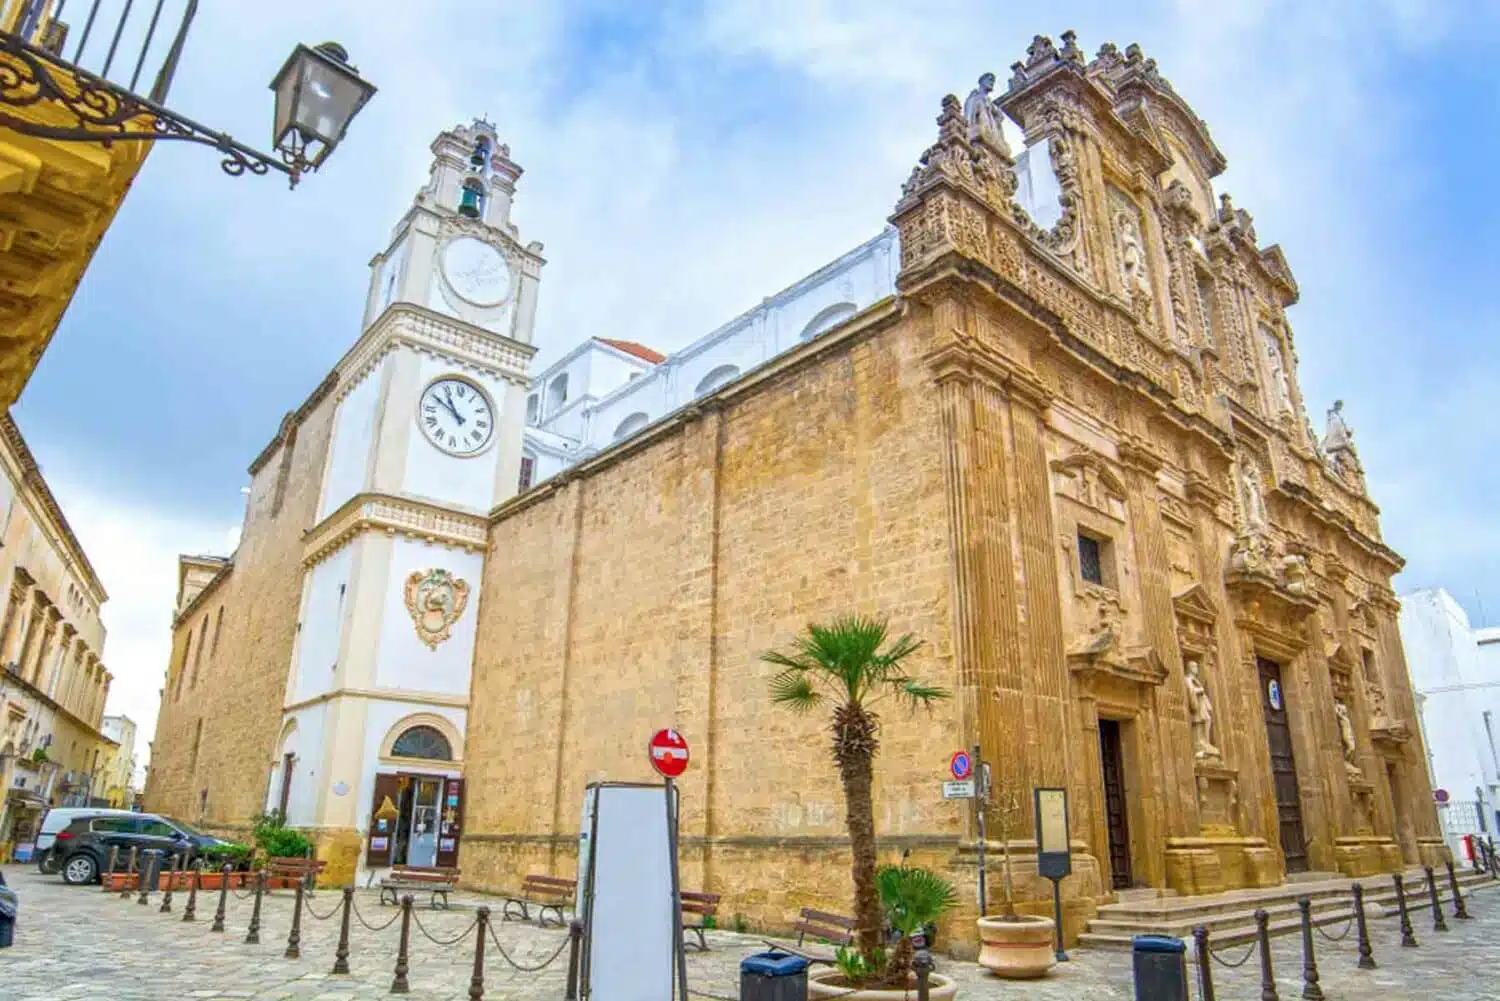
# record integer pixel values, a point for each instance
(631, 919)
(959, 790)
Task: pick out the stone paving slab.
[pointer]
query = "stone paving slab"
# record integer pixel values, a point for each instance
(78, 944)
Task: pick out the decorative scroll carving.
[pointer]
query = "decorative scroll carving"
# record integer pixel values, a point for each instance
(1085, 478)
(435, 599)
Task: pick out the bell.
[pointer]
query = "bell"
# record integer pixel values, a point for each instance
(469, 206)
(476, 159)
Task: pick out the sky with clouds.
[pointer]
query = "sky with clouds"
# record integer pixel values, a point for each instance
(685, 160)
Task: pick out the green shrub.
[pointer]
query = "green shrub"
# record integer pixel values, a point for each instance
(233, 853)
(277, 840)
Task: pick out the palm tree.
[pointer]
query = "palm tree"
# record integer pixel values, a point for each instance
(913, 899)
(850, 662)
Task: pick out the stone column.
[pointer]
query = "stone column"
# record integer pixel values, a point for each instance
(34, 625)
(38, 668)
(12, 620)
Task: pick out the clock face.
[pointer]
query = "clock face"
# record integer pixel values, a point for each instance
(476, 271)
(455, 416)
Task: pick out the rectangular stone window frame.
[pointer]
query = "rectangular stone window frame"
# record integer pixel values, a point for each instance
(1088, 542)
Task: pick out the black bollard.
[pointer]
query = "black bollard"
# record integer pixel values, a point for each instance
(1460, 910)
(399, 985)
(1494, 862)
(294, 937)
(252, 937)
(575, 939)
(223, 896)
(476, 982)
(190, 912)
(125, 884)
(1311, 990)
(341, 954)
(149, 874)
(1439, 923)
(1366, 955)
(1267, 974)
(114, 858)
(1205, 964)
(1408, 937)
(923, 965)
(172, 874)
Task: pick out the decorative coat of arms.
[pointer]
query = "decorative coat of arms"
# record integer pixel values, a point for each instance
(435, 599)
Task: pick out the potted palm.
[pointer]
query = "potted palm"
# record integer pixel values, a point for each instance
(913, 900)
(1012, 945)
(849, 664)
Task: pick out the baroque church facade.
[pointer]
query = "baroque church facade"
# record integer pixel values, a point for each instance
(1048, 421)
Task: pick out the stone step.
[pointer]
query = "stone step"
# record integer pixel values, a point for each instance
(1183, 926)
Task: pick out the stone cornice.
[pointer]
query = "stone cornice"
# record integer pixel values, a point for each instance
(965, 357)
(376, 512)
(34, 485)
(202, 596)
(384, 694)
(294, 420)
(463, 344)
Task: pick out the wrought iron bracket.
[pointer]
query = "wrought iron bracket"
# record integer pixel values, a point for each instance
(107, 113)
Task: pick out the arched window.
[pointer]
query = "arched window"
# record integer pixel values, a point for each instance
(827, 320)
(481, 154)
(472, 204)
(422, 742)
(716, 378)
(631, 425)
(557, 394)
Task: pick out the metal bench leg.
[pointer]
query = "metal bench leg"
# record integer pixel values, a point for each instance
(541, 917)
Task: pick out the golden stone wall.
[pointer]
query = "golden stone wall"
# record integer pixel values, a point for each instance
(227, 701)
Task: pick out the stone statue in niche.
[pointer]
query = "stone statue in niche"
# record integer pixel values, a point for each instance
(981, 114)
(1201, 714)
(1132, 253)
(1337, 434)
(1294, 574)
(1280, 385)
(1346, 737)
(1250, 495)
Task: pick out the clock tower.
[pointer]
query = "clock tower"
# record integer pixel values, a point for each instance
(429, 414)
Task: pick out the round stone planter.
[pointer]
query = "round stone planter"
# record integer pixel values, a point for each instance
(1019, 949)
(940, 988)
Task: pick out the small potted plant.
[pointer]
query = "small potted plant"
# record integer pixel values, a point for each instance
(1012, 945)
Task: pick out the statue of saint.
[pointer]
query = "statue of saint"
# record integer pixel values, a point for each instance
(979, 111)
(1132, 253)
(1346, 736)
(1337, 435)
(1255, 504)
(1200, 713)
(1277, 363)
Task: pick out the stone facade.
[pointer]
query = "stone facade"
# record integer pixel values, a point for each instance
(1072, 460)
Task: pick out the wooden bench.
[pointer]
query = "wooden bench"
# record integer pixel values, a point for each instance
(304, 869)
(435, 881)
(834, 928)
(706, 906)
(546, 893)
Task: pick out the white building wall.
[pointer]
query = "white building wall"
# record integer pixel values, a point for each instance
(403, 661)
(432, 474)
(305, 741)
(349, 463)
(322, 622)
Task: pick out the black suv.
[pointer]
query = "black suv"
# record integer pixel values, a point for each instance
(82, 848)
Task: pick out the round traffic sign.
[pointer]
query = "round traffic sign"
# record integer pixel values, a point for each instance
(668, 753)
(1440, 795)
(960, 765)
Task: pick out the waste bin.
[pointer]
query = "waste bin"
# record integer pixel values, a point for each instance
(773, 976)
(1160, 968)
(150, 871)
(8, 906)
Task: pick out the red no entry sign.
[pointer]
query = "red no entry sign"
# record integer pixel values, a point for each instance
(668, 753)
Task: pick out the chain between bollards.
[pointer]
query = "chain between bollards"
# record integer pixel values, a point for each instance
(294, 937)
(1205, 963)
(476, 982)
(1267, 974)
(1460, 910)
(575, 940)
(223, 896)
(341, 954)
(1311, 989)
(114, 859)
(190, 912)
(252, 937)
(1408, 937)
(176, 870)
(1366, 955)
(399, 985)
(126, 883)
(1439, 923)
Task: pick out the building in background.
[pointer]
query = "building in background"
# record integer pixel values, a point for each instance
(1455, 673)
(119, 764)
(53, 684)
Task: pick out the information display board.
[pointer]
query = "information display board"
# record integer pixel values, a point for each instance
(1054, 858)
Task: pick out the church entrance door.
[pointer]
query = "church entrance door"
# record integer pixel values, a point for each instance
(1283, 766)
(422, 846)
(1112, 760)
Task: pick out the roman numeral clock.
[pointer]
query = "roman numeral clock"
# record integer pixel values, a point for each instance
(456, 416)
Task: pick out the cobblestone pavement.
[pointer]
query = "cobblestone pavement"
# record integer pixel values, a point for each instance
(76, 943)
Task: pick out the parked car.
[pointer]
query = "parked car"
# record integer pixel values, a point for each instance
(53, 823)
(83, 846)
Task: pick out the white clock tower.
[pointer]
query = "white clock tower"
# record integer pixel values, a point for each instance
(426, 441)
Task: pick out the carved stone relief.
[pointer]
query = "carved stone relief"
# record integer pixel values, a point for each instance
(435, 600)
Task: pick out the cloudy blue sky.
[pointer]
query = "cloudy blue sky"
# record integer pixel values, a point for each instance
(684, 160)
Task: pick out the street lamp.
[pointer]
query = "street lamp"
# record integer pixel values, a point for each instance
(317, 92)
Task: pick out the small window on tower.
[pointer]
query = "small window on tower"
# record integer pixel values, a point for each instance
(1095, 560)
(528, 468)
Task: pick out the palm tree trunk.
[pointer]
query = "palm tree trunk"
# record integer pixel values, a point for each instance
(856, 771)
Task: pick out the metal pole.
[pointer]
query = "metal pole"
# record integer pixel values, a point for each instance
(341, 954)
(1366, 955)
(190, 912)
(176, 870)
(1408, 938)
(1439, 923)
(1205, 964)
(150, 871)
(981, 798)
(294, 937)
(1460, 910)
(1311, 990)
(1267, 974)
(476, 981)
(923, 965)
(399, 985)
(114, 858)
(126, 883)
(252, 937)
(223, 896)
(575, 939)
(677, 948)
(1057, 913)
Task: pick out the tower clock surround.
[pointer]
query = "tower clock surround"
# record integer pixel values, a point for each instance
(476, 271)
(456, 415)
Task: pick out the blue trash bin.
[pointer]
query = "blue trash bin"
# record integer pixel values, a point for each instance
(8, 907)
(773, 976)
(1160, 968)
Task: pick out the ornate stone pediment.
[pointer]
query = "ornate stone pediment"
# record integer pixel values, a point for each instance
(1086, 478)
(1102, 652)
(1196, 615)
